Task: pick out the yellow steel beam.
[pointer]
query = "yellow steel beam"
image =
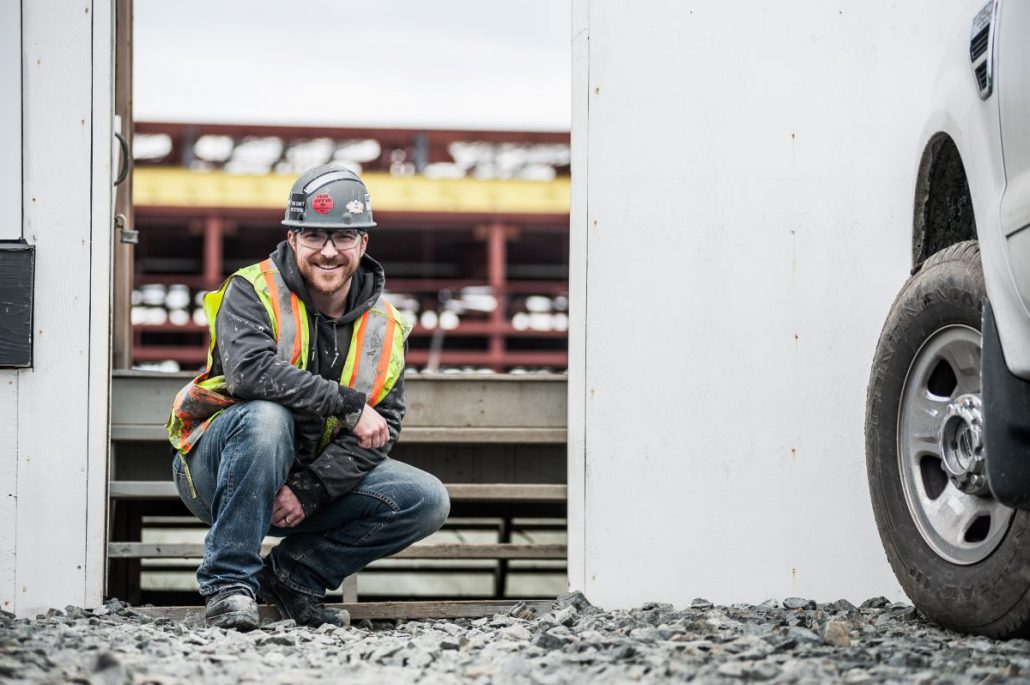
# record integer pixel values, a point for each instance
(174, 187)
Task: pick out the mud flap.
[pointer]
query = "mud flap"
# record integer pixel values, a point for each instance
(1006, 402)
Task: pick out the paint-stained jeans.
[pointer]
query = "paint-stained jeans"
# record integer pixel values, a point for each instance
(237, 468)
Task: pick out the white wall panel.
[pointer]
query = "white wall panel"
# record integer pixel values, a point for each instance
(8, 485)
(742, 226)
(578, 303)
(101, 304)
(10, 120)
(62, 400)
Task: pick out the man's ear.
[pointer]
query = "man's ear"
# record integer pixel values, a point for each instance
(291, 238)
(364, 243)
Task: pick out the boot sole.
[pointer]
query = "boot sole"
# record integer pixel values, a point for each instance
(240, 620)
(269, 596)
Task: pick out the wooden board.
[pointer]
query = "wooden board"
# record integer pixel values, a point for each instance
(447, 435)
(462, 492)
(381, 610)
(147, 550)
(479, 408)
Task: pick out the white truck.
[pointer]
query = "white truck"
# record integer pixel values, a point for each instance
(948, 406)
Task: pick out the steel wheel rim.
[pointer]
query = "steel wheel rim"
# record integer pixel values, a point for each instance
(960, 527)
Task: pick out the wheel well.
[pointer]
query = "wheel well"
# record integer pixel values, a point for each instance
(943, 205)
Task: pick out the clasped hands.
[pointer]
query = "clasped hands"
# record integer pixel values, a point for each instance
(372, 433)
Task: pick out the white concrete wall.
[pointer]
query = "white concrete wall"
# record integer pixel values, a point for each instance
(742, 207)
(53, 455)
(10, 120)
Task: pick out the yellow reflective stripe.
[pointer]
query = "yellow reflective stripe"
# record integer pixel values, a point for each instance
(189, 478)
(352, 357)
(383, 382)
(327, 433)
(396, 364)
(396, 353)
(302, 316)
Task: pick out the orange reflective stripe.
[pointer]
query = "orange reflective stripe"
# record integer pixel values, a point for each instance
(295, 305)
(357, 351)
(384, 361)
(266, 271)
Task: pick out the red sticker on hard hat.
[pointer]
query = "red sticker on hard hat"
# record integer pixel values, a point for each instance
(322, 203)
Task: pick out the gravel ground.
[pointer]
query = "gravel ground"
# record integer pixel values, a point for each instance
(794, 641)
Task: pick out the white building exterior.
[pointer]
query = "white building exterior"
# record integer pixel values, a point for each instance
(53, 434)
(743, 181)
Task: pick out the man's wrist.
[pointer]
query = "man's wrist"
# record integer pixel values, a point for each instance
(308, 490)
(353, 403)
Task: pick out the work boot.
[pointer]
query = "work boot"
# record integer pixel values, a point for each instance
(233, 607)
(305, 609)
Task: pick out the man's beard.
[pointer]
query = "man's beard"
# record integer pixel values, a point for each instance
(331, 282)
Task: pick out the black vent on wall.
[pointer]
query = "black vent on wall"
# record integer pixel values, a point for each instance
(16, 266)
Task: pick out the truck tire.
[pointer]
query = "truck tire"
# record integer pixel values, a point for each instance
(961, 556)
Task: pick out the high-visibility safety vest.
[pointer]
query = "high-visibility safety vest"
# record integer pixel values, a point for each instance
(374, 362)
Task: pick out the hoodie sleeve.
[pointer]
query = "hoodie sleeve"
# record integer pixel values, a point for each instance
(344, 463)
(253, 371)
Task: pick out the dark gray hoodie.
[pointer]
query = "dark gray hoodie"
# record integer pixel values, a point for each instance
(246, 354)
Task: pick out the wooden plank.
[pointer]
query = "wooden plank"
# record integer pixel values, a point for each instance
(456, 401)
(380, 610)
(349, 589)
(462, 492)
(148, 550)
(413, 435)
(509, 492)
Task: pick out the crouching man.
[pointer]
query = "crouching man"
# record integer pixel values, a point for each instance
(287, 431)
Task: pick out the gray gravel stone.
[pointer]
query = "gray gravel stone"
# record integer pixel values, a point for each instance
(788, 641)
(798, 603)
(835, 633)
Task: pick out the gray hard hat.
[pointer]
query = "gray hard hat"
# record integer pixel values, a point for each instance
(329, 197)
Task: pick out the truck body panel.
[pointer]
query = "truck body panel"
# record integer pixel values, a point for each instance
(744, 176)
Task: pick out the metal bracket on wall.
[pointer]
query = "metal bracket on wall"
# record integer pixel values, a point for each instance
(17, 264)
(125, 235)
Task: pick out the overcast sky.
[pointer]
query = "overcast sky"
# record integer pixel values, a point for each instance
(445, 64)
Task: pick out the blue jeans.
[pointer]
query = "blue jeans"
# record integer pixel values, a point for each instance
(239, 465)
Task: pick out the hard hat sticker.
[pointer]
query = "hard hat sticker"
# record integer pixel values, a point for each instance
(322, 203)
(355, 207)
(295, 212)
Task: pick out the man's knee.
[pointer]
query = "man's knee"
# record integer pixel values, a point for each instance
(435, 506)
(269, 429)
(269, 418)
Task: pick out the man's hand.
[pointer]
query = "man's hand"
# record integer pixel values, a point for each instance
(371, 430)
(286, 510)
